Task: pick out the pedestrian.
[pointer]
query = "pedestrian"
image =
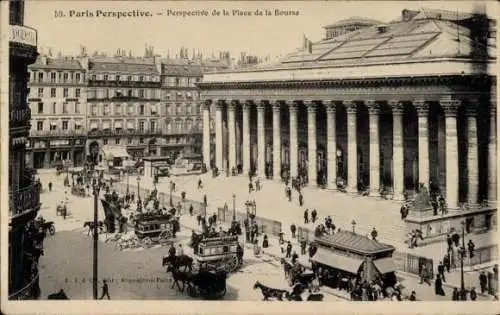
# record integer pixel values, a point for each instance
(288, 250)
(191, 211)
(198, 218)
(171, 250)
(303, 245)
(456, 238)
(205, 200)
(294, 257)
(183, 195)
(105, 290)
(449, 241)
(200, 184)
(314, 214)
(374, 234)
(473, 294)
(455, 296)
(239, 254)
(470, 247)
(440, 269)
(265, 242)
(434, 207)
(483, 279)
(173, 186)
(306, 216)
(301, 199)
(250, 187)
(413, 296)
(50, 186)
(438, 286)
(446, 262)
(293, 229)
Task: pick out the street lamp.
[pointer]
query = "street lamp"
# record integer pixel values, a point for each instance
(96, 236)
(234, 207)
(138, 187)
(128, 181)
(171, 186)
(462, 253)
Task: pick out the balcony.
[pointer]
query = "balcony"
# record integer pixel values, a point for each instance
(126, 84)
(23, 42)
(122, 99)
(23, 201)
(19, 117)
(57, 133)
(123, 133)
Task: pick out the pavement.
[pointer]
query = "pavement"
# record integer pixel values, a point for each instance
(271, 203)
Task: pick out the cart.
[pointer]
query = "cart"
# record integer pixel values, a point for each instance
(207, 283)
(217, 252)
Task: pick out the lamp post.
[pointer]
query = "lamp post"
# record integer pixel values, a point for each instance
(138, 187)
(234, 207)
(171, 202)
(128, 182)
(462, 254)
(96, 238)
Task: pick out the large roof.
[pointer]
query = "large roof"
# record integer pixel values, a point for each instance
(59, 63)
(354, 242)
(354, 20)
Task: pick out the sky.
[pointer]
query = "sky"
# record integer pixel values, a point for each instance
(259, 35)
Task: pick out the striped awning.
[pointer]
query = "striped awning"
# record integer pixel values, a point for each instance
(53, 123)
(332, 259)
(118, 124)
(130, 125)
(105, 125)
(93, 125)
(385, 265)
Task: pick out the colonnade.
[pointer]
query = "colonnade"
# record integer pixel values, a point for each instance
(449, 107)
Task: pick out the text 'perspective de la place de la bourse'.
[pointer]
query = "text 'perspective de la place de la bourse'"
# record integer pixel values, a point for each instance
(359, 167)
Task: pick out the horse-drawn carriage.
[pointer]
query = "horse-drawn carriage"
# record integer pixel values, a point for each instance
(155, 228)
(297, 272)
(219, 252)
(206, 282)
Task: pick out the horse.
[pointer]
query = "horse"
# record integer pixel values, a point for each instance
(90, 225)
(268, 292)
(180, 276)
(175, 262)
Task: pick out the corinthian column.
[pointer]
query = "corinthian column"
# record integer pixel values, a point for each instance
(246, 138)
(218, 134)
(397, 148)
(231, 126)
(423, 141)
(492, 155)
(373, 113)
(311, 143)
(276, 142)
(472, 154)
(352, 147)
(206, 134)
(261, 139)
(450, 112)
(331, 145)
(292, 107)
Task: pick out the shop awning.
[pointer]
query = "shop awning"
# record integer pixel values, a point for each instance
(93, 125)
(385, 265)
(105, 125)
(130, 125)
(118, 124)
(329, 258)
(53, 123)
(111, 152)
(78, 123)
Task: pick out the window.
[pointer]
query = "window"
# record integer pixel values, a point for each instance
(52, 92)
(129, 78)
(52, 77)
(105, 77)
(141, 125)
(65, 125)
(65, 77)
(129, 93)
(77, 108)
(40, 108)
(77, 92)
(188, 109)
(153, 125)
(53, 126)
(178, 109)
(118, 109)
(40, 92)
(93, 77)
(105, 141)
(78, 126)
(106, 109)
(141, 93)
(117, 141)
(130, 109)
(65, 108)
(39, 125)
(117, 78)
(54, 108)
(129, 140)
(94, 110)
(141, 110)
(71, 76)
(77, 77)
(141, 78)
(65, 92)
(40, 77)
(141, 140)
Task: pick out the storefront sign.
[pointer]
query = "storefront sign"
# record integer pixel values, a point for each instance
(22, 35)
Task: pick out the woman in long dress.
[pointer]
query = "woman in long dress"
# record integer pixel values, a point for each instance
(438, 286)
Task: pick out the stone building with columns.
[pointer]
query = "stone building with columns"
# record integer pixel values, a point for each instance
(391, 105)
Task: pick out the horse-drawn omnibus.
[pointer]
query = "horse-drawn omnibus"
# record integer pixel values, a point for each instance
(155, 226)
(220, 252)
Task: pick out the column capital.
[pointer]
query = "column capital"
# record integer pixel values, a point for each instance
(422, 107)
(231, 105)
(330, 106)
(396, 106)
(219, 104)
(449, 106)
(261, 104)
(310, 105)
(373, 107)
(351, 106)
(276, 106)
(206, 104)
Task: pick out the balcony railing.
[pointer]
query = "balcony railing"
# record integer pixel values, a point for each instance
(23, 200)
(123, 132)
(23, 35)
(19, 116)
(129, 84)
(29, 291)
(58, 133)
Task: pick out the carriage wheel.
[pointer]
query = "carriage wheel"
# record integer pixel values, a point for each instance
(231, 264)
(191, 291)
(52, 230)
(165, 235)
(147, 241)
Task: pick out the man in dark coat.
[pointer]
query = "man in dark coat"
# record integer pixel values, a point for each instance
(438, 286)
(374, 234)
(289, 250)
(449, 241)
(470, 247)
(301, 199)
(473, 294)
(456, 238)
(303, 245)
(306, 216)
(446, 262)
(441, 271)
(483, 279)
(455, 296)
(314, 214)
(191, 211)
(293, 229)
